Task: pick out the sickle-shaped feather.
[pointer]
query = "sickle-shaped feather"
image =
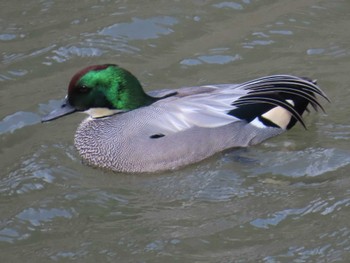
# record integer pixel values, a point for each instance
(276, 90)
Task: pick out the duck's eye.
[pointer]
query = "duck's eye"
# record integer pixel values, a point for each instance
(83, 89)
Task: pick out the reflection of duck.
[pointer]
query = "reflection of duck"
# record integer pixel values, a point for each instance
(131, 131)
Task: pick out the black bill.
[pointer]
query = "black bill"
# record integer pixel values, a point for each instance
(64, 109)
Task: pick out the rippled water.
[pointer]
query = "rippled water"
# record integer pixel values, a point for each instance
(287, 200)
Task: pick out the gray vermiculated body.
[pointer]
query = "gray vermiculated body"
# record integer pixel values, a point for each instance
(122, 142)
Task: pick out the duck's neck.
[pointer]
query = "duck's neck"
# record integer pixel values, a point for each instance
(133, 98)
(130, 94)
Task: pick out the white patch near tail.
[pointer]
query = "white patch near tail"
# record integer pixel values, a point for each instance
(278, 115)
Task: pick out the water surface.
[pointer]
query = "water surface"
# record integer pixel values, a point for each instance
(286, 200)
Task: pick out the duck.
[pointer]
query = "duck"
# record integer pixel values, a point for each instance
(129, 130)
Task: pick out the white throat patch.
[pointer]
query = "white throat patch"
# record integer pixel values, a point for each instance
(96, 113)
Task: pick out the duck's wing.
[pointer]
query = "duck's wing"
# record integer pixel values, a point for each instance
(272, 101)
(182, 112)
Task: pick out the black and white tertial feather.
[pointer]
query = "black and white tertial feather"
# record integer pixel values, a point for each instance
(277, 101)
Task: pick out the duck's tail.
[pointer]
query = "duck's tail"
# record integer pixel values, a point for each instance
(277, 101)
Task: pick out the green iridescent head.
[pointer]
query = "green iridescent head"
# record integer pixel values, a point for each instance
(102, 86)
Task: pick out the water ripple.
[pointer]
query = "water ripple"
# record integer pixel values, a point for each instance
(230, 5)
(141, 29)
(18, 120)
(31, 176)
(63, 54)
(218, 56)
(36, 217)
(115, 37)
(335, 51)
(310, 162)
(30, 220)
(7, 37)
(325, 251)
(322, 207)
(10, 58)
(274, 33)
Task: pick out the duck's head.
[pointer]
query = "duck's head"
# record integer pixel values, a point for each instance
(102, 90)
